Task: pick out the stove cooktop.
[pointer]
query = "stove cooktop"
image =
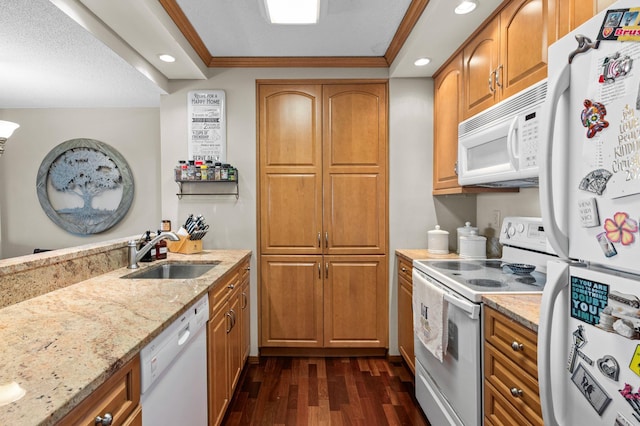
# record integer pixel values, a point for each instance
(473, 278)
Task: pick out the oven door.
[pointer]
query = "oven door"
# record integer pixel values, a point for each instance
(450, 392)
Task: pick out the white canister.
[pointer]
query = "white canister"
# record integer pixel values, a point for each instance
(438, 241)
(464, 231)
(473, 246)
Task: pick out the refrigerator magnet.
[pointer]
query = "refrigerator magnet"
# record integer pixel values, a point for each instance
(588, 210)
(621, 228)
(590, 389)
(609, 367)
(614, 67)
(607, 248)
(621, 421)
(593, 117)
(633, 398)
(579, 340)
(596, 181)
(634, 364)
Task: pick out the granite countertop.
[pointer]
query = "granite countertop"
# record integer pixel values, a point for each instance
(522, 308)
(62, 345)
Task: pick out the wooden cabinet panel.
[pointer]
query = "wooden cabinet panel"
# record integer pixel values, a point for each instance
(355, 301)
(290, 147)
(510, 369)
(355, 164)
(447, 113)
(481, 59)
(291, 213)
(405, 322)
(517, 342)
(235, 338)
(523, 52)
(245, 329)
(119, 396)
(355, 214)
(291, 301)
(218, 365)
(569, 14)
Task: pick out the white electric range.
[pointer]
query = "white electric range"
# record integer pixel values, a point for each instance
(450, 391)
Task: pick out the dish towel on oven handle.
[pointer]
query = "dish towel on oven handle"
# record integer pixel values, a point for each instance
(430, 318)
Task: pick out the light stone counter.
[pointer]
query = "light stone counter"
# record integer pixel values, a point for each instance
(522, 308)
(60, 346)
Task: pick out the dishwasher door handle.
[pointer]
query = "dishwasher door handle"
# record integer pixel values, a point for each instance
(183, 336)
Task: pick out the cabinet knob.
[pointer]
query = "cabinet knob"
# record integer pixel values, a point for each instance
(106, 420)
(404, 269)
(231, 286)
(517, 346)
(516, 392)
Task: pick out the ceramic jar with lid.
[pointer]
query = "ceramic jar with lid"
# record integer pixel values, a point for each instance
(473, 246)
(464, 231)
(438, 241)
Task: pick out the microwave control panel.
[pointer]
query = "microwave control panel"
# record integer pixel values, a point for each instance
(529, 137)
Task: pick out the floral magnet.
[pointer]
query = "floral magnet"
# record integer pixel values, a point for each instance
(621, 229)
(593, 117)
(614, 67)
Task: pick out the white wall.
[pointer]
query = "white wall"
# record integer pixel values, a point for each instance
(134, 132)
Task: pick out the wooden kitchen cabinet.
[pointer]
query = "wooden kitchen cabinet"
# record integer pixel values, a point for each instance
(119, 396)
(506, 56)
(323, 301)
(405, 312)
(245, 325)
(225, 351)
(323, 192)
(511, 394)
(447, 114)
(355, 301)
(569, 14)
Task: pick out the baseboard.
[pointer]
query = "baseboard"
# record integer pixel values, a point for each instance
(323, 352)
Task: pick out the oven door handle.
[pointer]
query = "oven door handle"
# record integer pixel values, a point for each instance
(472, 310)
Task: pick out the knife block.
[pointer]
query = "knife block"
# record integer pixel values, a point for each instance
(185, 246)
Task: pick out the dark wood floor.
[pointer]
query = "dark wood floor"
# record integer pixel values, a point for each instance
(325, 391)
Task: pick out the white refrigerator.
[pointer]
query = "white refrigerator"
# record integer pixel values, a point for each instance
(589, 330)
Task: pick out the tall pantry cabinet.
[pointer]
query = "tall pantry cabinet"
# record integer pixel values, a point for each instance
(323, 214)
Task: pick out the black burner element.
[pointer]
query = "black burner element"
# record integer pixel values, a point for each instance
(483, 282)
(456, 266)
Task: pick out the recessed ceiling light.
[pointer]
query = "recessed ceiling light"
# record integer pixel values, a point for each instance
(166, 58)
(421, 62)
(293, 11)
(466, 6)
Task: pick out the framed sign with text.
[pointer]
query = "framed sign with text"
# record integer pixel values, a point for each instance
(207, 125)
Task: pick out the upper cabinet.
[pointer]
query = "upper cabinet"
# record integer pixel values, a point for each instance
(447, 113)
(569, 14)
(506, 56)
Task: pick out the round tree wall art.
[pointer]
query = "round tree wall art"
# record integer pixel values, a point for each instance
(85, 186)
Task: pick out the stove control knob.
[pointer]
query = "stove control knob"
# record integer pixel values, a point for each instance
(520, 228)
(511, 231)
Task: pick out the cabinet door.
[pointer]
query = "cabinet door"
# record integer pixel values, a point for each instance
(291, 301)
(218, 328)
(481, 60)
(234, 338)
(523, 41)
(355, 301)
(569, 14)
(245, 329)
(290, 152)
(355, 168)
(447, 113)
(405, 322)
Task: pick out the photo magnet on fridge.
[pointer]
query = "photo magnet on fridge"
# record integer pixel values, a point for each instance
(609, 367)
(590, 389)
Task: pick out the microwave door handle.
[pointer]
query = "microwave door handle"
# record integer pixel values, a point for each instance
(512, 139)
(471, 309)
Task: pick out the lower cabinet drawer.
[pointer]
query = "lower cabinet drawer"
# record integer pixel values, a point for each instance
(499, 412)
(119, 397)
(517, 388)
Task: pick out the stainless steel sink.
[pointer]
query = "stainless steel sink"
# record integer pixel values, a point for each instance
(173, 271)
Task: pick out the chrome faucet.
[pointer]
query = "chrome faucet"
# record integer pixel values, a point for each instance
(135, 255)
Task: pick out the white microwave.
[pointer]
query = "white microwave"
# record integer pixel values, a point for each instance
(499, 146)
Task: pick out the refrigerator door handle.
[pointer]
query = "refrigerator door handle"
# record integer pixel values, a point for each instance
(557, 273)
(558, 240)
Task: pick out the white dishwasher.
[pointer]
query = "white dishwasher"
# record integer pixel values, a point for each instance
(174, 371)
